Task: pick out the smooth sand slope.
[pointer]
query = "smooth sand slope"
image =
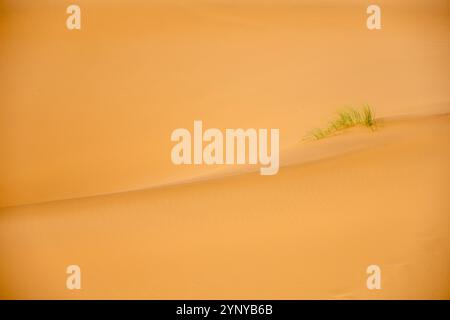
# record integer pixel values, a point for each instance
(308, 232)
(91, 112)
(86, 117)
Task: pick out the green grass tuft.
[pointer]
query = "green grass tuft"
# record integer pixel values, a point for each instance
(347, 119)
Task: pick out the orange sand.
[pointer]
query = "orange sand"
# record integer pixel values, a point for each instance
(86, 117)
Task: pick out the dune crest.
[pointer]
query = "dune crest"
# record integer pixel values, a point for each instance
(302, 152)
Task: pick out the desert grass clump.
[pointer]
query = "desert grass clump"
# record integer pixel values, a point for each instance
(347, 119)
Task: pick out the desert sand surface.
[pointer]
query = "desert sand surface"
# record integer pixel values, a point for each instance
(91, 112)
(85, 170)
(308, 232)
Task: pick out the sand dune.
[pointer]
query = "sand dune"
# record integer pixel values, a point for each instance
(308, 232)
(86, 178)
(91, 112)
